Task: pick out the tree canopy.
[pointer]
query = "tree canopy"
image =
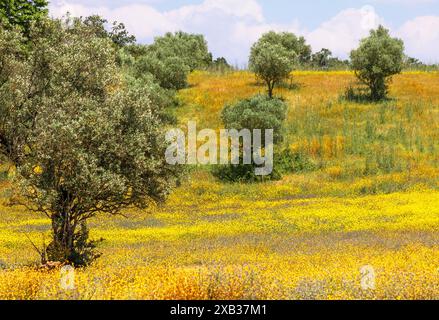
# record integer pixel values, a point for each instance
(191, 48)
(117, 33)
(22, 12)
(291, 43)
(170, 72)
(82, 138)
(259, 112)
(170, 59)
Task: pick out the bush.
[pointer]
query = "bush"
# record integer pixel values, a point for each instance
(357, 94)
(170, 73)
(243, 173)
(259, 112)
(288, 161)
(285, 162)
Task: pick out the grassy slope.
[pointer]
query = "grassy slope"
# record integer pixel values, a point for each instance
(303, 237)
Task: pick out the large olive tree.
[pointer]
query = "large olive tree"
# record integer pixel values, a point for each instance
(377, 59)
(83, 141)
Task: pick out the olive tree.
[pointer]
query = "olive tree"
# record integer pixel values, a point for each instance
(258, 112)
(291, 43)
(272, 63)
(322, 58)
(192, 49)
(82, 139)
(377, 59)
(170, 58)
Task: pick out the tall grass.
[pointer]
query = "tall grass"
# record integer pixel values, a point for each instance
(393, 136)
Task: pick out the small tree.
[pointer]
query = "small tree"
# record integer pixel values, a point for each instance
(259, 112)
(272, 63)
(377, 59)
(322, 58)
(82, 139)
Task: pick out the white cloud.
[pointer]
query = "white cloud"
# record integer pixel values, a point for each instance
(232, 26)
(421, 38)
(405, 2)
(343, 32)
(245, 9)
(142, 20)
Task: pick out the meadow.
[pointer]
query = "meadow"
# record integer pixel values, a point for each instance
(366, 193)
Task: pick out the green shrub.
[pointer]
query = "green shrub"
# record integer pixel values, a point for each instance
(259, 112)
(285, 162)
(288, 161)
(170, 73)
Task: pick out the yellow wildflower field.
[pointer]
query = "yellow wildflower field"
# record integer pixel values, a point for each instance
(372, 200)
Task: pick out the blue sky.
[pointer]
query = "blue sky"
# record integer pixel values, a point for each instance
(313, 12)
(231, 26)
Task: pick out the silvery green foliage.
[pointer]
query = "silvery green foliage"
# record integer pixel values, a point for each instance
(272, 62)
(171, 58)
(169, 72)
(12, 131)
(82, 139)
(377, 59)
(21, 13)
(192, 49)
(292, 43)
(258, 112)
